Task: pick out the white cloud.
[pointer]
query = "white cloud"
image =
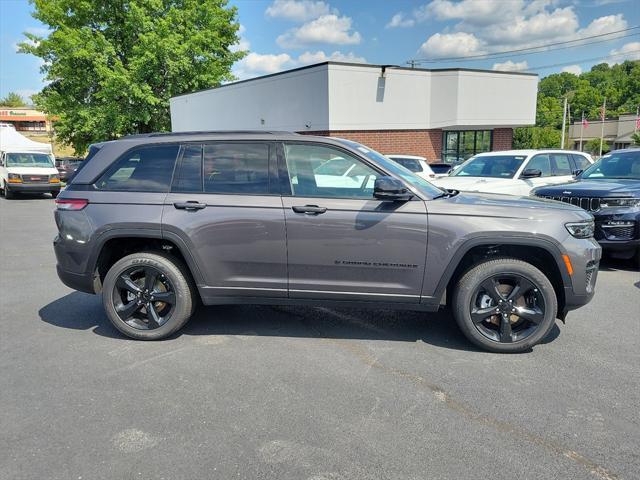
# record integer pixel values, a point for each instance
(606, 24)
(399, 20)
(472, 11)
(320, 56)
(330, 29)
(629, 51)
(510, 66)
(459, 44)
(543, 27)
(255, 64)
(575, 69)
(298, 10)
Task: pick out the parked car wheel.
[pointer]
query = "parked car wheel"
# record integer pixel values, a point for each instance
(55, 193)
(505, 305)
(8, 194)
(148, 296)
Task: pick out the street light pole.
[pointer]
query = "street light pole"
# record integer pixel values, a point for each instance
(564, 121)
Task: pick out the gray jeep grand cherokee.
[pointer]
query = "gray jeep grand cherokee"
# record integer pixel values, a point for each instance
(158, 222)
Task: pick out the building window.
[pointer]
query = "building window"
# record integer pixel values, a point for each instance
(460, 145)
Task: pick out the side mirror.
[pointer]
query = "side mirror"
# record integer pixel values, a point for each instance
(392, 189)
(577, 172)
(531, 173)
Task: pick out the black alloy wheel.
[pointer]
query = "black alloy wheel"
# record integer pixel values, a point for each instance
(507, 308)
(144, 298)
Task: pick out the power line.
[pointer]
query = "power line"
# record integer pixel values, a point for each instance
(520, 50)
(575, 62)
(555, 49)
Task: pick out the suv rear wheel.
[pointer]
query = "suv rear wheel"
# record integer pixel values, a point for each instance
(505, 305)
(148, 296)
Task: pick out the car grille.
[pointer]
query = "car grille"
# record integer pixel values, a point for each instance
(591, 204)
(616, 232)
(28, 178)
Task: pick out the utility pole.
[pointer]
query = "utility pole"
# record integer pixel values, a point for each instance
(564, 121)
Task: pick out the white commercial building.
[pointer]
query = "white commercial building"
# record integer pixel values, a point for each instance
(442, 113)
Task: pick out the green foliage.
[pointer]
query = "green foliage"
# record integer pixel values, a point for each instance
(620, 84)
(536, 137)
(593, 147)
(635, 137)
(114, 65)
(12, 100)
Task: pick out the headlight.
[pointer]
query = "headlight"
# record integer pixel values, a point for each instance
(54, 179)
(580, 229)
(14, 178)
(619, 202)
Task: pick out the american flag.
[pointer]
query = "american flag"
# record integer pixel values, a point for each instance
(585, 122)
(637, 123)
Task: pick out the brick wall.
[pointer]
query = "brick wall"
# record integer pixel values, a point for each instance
(502, 139)
(426, 143)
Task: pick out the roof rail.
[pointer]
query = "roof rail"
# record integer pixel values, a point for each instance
(209, 132)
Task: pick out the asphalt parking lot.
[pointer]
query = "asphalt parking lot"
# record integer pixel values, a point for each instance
(303, 393)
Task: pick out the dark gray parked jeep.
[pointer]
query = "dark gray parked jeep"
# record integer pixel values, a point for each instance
(158, 222)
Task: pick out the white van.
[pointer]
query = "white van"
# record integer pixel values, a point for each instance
(25, 165)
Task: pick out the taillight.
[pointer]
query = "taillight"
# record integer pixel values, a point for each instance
(71, 203)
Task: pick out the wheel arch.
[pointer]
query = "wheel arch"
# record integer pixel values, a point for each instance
(115, 244)
(539, 252)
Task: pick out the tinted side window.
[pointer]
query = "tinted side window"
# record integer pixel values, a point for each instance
(236, 168)
(561, 164)
(308, 177)
(188, 177)
(142, 169)
(540, 162)
(581, 162)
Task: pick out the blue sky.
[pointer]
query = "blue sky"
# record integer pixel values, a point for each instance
(283, 34)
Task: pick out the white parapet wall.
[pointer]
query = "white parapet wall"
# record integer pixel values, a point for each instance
(337, 96)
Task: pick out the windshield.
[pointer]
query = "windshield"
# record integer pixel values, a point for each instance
(408, 176)
(29, 160)
(493, 166)
(615, 165)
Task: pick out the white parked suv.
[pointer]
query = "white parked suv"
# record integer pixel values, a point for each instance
(416, 164)
(515, 172)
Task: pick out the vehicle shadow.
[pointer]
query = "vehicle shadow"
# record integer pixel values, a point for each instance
(612, 264)
(79, 311)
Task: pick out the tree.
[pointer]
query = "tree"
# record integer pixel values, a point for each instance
(635, 137)
(593, 146)
(536, 137)
(114, 65)
(12, 100)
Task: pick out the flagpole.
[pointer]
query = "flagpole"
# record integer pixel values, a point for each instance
(564, 120)
(581, 130)
(568, 122)
(602, 116)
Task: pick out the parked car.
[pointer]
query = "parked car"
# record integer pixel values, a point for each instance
(610, 190)
(157, 222)
(25, 165)
(67, 167)
(416, 164)
(515, 172)
(441, 169)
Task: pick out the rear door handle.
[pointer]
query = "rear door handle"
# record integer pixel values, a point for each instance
(190, 205)
(309, 209)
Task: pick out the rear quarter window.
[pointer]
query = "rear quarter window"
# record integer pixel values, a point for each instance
(141, 169)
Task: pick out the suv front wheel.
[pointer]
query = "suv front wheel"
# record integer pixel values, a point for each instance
(148, 296)
(505, 305)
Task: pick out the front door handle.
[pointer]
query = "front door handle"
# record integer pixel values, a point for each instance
(190, 205)
(309, 209)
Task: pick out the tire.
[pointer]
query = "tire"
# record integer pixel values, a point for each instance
(8, 194)
(54, 194)
(172, 278)
(502, 330)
